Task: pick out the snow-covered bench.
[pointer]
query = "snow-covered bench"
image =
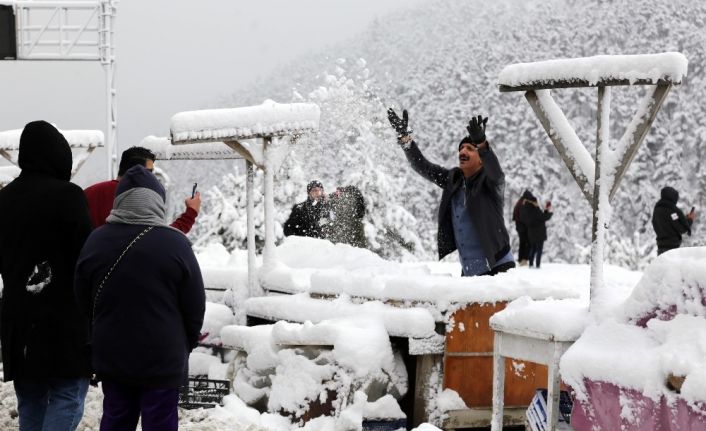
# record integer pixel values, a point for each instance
(619, 368)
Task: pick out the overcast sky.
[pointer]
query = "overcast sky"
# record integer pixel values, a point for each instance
(175, 55)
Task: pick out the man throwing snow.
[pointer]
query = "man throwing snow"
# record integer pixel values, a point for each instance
(471, 210)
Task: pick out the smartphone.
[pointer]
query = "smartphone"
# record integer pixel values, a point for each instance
(193, 190)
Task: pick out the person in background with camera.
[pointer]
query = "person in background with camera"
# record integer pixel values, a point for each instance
(535, 220)
(470, 216)
(669, 222)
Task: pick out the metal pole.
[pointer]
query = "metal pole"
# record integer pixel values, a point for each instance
(253, 289)
(269, 251)
(601, 204)
(107, 50)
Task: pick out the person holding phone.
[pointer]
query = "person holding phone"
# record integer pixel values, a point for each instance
(100, 196)
(669, 222)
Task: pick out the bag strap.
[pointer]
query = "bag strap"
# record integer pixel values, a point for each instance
(96, 297)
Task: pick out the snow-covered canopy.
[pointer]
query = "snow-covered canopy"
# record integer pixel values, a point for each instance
(591, 71)
(10, 139)
(269, 119)
(164, 150)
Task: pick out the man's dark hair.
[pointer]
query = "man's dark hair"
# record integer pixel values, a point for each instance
(134, 156)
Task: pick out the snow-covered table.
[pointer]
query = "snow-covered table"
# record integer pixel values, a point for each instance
(539, 332)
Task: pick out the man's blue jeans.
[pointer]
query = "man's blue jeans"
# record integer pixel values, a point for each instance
(52, 404)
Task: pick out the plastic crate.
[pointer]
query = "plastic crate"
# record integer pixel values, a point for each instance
(203, 393)
(384, 424)
(537, 411)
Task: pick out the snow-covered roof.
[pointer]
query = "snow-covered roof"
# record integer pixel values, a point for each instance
(164, 150)
(591, 71)
(268, 119)
(559, 320)
(10, 139)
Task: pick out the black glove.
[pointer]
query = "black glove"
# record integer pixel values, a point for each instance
(476, 129)
(399, 124)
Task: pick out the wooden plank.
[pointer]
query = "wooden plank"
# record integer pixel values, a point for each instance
(477, 418)
(425, 383)
(641, 128)
(471, 331)
(569, 161)
(580, 83)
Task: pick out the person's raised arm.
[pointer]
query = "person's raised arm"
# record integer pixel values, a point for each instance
(420, 164)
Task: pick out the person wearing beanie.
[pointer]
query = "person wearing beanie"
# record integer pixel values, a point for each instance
(138, 281)
(669, 222)
(100, 196)
(43, 225)
(535, 219)
(305, 218)
(470, 216)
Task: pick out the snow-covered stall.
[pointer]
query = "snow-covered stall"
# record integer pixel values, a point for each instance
(644, 368)
(82, 143)
(598, 178)
(257, 134)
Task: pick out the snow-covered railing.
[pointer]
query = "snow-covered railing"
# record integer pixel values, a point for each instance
(164, 150)
(234, 127)
(83, 140)
(597, 178)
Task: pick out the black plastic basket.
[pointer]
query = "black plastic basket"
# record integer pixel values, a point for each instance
(203, 393)
(384, 424)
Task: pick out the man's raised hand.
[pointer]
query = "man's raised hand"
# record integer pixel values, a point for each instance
(476, 129)
(399, 124)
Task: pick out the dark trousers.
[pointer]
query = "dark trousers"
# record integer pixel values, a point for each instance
(661, 250)
(535, 254)
(524, 246)
(123, 406)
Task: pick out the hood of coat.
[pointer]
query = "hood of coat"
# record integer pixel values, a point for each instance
(670, 194)
(44, 150)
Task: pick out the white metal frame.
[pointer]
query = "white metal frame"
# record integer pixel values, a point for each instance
(73, 31)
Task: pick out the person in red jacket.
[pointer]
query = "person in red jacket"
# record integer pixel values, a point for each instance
(100, 196)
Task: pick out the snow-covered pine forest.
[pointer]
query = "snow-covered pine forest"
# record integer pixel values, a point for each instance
(442, 65)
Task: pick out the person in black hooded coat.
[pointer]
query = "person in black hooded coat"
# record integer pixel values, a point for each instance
(669, 222)
(532, 216)
(44, 222)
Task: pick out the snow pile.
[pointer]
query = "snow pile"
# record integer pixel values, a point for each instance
(450, 400)
(561, 320)
(225, 277)
(675, 283)
(164, 150)
(216, 317)
(289, 368)
(10, 139)
(320, 267)
(270, 118)
(399, 322)
(651, 67)
(659, 330)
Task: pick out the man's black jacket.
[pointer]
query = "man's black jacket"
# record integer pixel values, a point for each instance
(484, 197)
(668, 221)
(43, 224)
(304, 219)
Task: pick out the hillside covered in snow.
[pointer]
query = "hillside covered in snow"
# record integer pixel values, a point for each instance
(441, 62)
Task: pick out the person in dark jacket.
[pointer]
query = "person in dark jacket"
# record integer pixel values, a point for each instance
(347, 209)
(532, 216)
(521, 228)
(305, 218)
(43, 225)
(669, 222)
(100, 195)
(471, 209)
(139, 281)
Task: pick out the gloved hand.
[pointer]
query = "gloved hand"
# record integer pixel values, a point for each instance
(399, 124)
(476, 129)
